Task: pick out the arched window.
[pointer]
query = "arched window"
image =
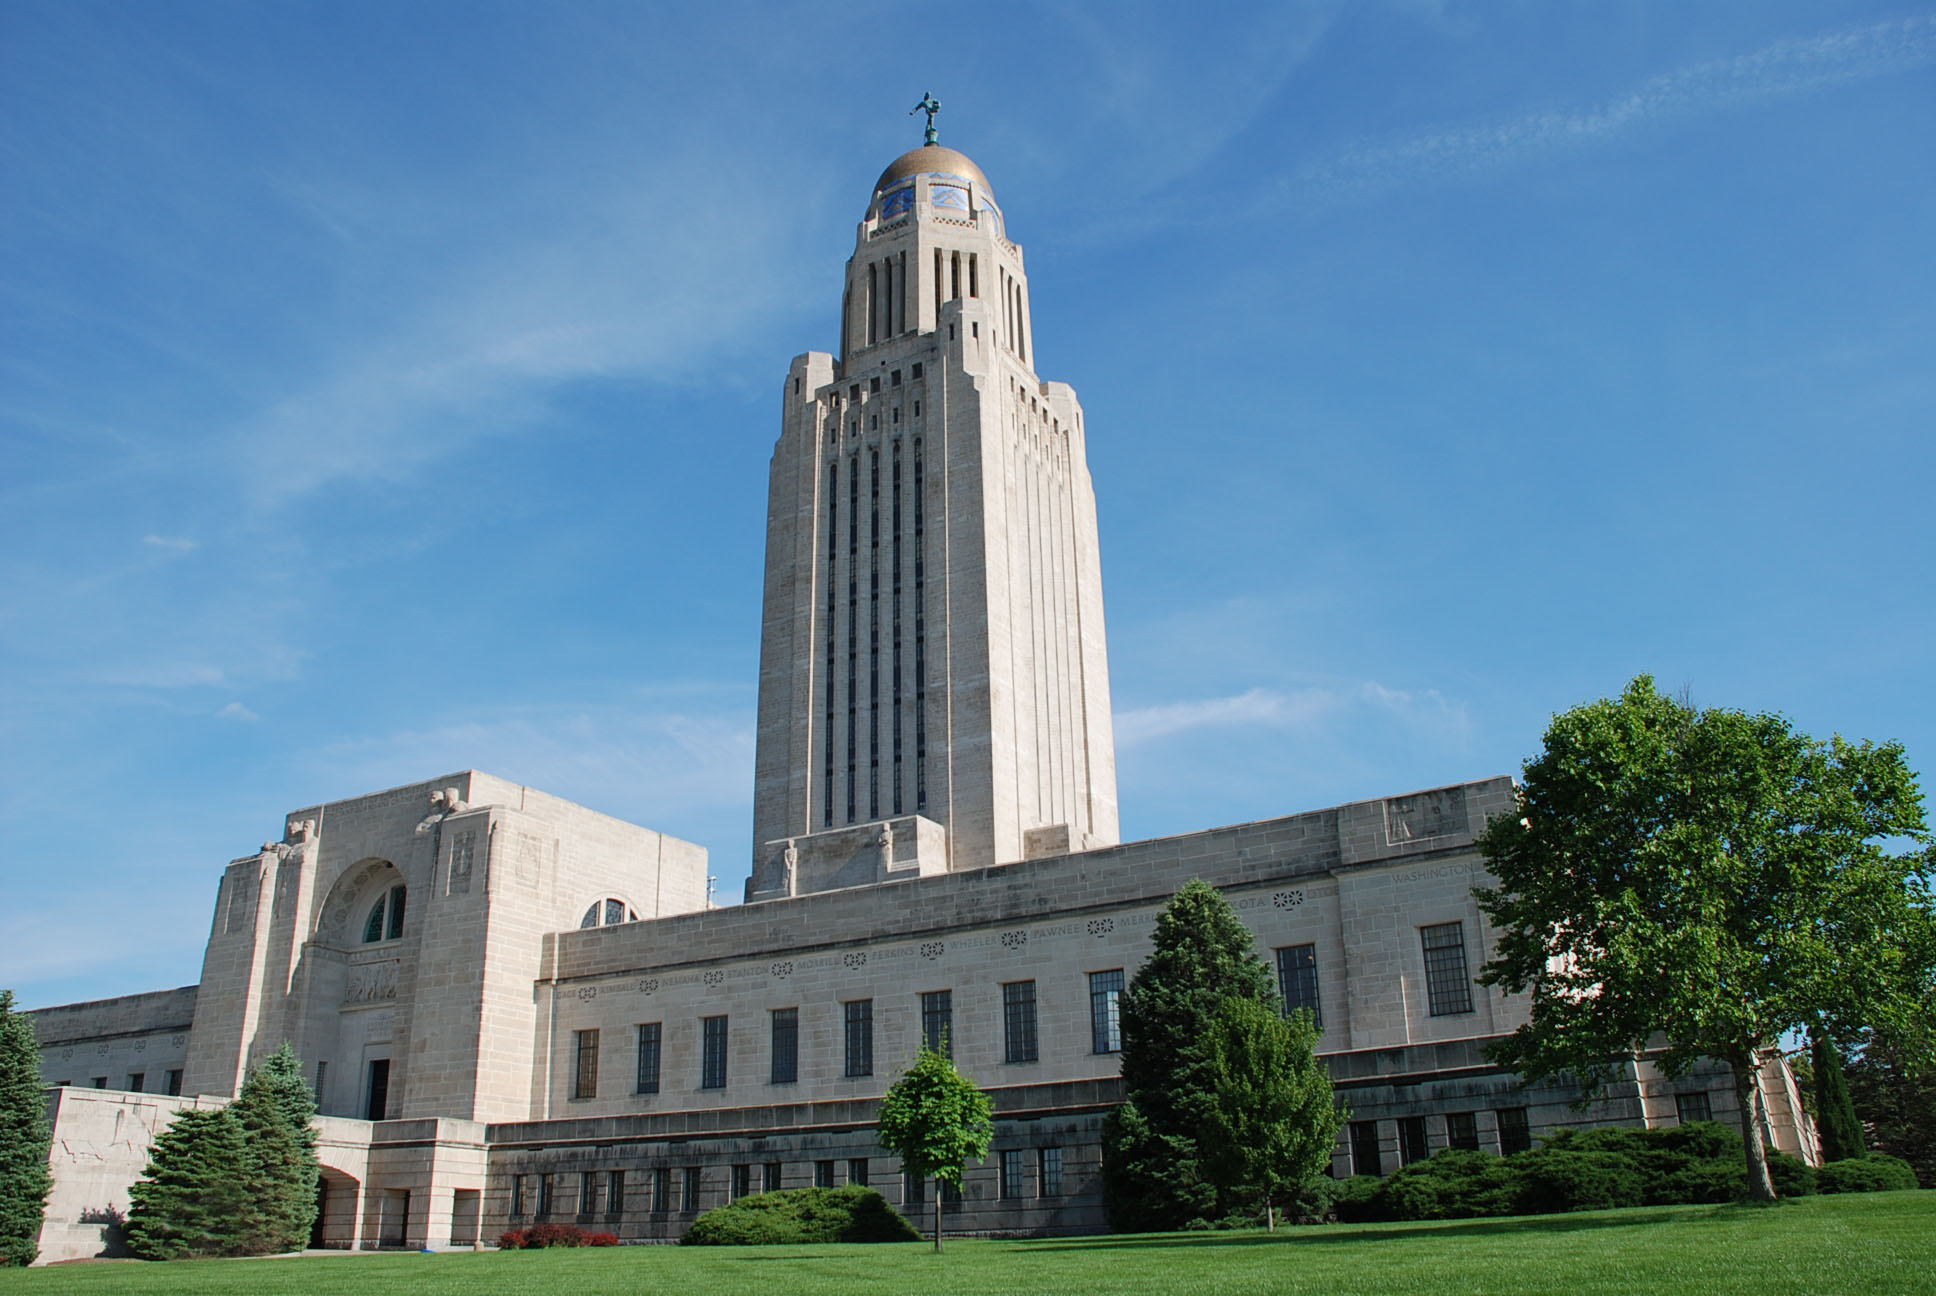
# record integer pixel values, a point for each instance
(608, 912)
(386, 917)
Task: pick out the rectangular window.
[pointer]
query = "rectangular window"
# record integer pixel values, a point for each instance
(322, 1073)
(1105, 1011)
(1411, 1140)
(377, 1101)
(1515, 1131)
(174, 1085)
(662, 1189)
(911, 1189)
(1011, 1174)
(689, 1189)
(860, 1037)
(1448, 990)
(648, 1058)
(917, 373)
(786, 1045)
(1366, 1157)
(938, 1020)
(134, 1081)
(615, 1192)
(950, 1193)
(1048, 1172)
(770, 1177)
(1297, 981)
(742, 1182)
(1693, 1107)
(517, 1194)
(857, 1171)
(101, 1082)
(1018, 1021)
(544, 1195)
(587, 1192)
(585, 1078)
(712, 1061)
(823, 1174)
(1462, 1131)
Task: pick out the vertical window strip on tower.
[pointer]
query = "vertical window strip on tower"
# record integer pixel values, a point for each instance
(833, 561)
(920, 641)
(873, 305)
(895, 622)
(874, 635)
(853, 624)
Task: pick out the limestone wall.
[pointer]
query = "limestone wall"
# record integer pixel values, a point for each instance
(135, 1042)
(101, 1142)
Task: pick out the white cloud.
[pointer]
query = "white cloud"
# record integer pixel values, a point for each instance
(180, 544)
(1258, 706)
(236, 711)
(1778, 70)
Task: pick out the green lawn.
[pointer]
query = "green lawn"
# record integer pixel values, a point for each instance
(1885, 1242)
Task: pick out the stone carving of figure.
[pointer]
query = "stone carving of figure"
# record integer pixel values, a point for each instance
(886, 840)
(789, 860)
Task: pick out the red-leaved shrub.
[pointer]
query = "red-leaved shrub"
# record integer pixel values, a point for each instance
(602, 1239)
(551, 1235)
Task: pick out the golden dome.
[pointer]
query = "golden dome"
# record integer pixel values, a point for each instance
(932, 157)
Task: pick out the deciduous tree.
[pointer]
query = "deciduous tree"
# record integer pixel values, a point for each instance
(1201, 954)
(936, 1121)
(25, 1138)
(1709, 876)
(1275, 1118)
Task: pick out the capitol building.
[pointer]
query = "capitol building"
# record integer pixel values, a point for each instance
(514, 1009)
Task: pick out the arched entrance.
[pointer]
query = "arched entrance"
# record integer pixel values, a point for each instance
(339, 1200)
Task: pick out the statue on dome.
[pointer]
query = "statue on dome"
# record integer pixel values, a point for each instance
(929, 105)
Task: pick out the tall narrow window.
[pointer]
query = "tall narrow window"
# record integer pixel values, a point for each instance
(1105, 1011)
(1048, 1172)
(873, 305)
(517, 1194)
(1366, 1156)
(974, 283)
(585, 1077)
(853, 628)
(901, 296)
(1021, 325)
(689, 1190)
(894, 622)
(857, 1171)
(1515, 1131)
(174, 1086)
(615, 1192)
(911, 1189)
(662, 1190)
(1297, 981)
(322, 1088)
(955, 288)
(823, 1174)
(648, 1082)
(742, 1181)
(1018, 1021)
(786, 1045)
(544, 1195)
(1012, 1179)
(377, 1100)
(860, 1037)
(1448, 990)
(938, 1020)
(712, 1060)
(920, 641)
(874, 635)
(770, 1177)
(1411, 1140)
(833, 563)
(937, 283)
(587, 1192)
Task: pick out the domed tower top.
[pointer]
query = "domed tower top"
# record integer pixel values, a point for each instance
(932, 159)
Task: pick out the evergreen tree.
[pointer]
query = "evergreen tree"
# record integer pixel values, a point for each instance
(1275, 1120)
(25, 1138)
(277, 1111)
(936, 1121)
(1835, 1118)
(1201, 955)
(194, 1199)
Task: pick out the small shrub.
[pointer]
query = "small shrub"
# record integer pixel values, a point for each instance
(1876, 1172)
(512, 1241)
(1554, 1180)
(549, 1235)
(602, 1239)
(1354, 1198)
(1792, 1177)
(849, 1214)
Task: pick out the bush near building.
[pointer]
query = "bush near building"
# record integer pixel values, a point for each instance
(540, 1236)
(1600, 1169)
(849, 1214)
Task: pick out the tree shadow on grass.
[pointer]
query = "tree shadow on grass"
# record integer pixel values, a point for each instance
(1357, 1234)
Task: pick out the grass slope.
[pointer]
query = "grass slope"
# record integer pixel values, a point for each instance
(1884, 1242)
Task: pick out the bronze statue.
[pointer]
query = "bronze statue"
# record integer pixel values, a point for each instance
(929, 105)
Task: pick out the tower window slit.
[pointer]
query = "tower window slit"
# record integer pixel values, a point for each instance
(937, 283)
(954, 280)
(833, 562)
(873, 303)
(901, 297)
(874, 636)
(1021, 323)
(974, 280)
(853, 623)
(894, 523)
(920, 642)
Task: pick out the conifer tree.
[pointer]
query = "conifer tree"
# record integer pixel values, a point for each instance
(1835, 1118)
(194, 1199)
(1202, 954)
(276, 1109)
(25, 1138)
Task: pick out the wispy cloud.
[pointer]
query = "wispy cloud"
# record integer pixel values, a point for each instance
(1787, 67)
(236, 711)
(1258, 706)
(178, 544)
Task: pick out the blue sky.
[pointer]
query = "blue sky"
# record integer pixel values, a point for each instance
(387, 389)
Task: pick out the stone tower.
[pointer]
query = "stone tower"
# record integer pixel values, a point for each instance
(934, 677)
